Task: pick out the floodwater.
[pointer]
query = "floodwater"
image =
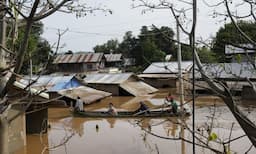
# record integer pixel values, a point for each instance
(67, 134)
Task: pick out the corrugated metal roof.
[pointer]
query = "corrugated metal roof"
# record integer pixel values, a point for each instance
(88, 95)
(158, 76)
(78, 58)
(168, 67)
(237, 85)
(138, 88)
(32, 90)
(229, 49)
(48, 82)
(229, 71)
(111, 78)
(113, 57)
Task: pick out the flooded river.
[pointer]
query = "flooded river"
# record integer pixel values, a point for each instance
(67, 134)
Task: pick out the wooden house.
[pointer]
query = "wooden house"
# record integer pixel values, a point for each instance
(165, 74)
(113, 60)
(119, 84)
(234, 75)
(236, 55)
(79, 62)
(66, 89)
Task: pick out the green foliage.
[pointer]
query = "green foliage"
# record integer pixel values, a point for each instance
(38, 49)
(151, 45)
(128, 45)
(206, 55)
(110, 47)
(148, 52)
(212, 137)
(238, 58)
(230, 35)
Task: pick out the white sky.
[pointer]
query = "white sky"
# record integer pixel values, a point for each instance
(86, 32)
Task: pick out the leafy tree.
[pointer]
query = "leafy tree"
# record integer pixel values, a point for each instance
(148, 52)
(161, 40)
(110, 47)
(246, 123)
(42, 55)
(29, 12)
(39, 49)
(206, 55)
(127, 46)
(230, 35)
(150, 45)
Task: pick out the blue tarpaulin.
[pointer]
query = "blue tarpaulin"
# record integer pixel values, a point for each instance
(73, 83)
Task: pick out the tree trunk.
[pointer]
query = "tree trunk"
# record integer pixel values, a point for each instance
(20, 57)
(244, 122)
(4, 136)
(2, 34)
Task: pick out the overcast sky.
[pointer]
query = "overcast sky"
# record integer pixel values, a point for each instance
(86, 32)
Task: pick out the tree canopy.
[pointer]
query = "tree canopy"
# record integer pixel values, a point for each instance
(39, 49)
(152, 44)
(230, 35)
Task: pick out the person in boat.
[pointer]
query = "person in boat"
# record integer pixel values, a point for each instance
(79, 106)
(143, 108)
(174, 106)
(167, 101)
(111, 109)
(168, 98)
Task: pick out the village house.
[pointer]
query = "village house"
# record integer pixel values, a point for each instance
(129, 62)
(165, 74)
(119, 84)
(79, 62)
(68, 86)
(234, 75)
(21, 123)
(234, 54)
(114, 60)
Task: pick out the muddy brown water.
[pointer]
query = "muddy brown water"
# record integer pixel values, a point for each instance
(74, 135)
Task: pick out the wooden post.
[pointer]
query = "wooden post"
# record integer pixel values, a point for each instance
(2, 34)
(4, 135)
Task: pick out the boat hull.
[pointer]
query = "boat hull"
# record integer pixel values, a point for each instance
(128, 114)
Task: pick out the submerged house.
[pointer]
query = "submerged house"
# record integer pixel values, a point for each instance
(58, 86)
(165, 74)
(113, 60)
(235, 54)
(87, 94)
(129, 62)
(52, 84)
(35, 103)
(79, 62)
(119, 84)
(234, 75)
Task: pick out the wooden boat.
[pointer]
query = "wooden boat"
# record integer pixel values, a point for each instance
(129, 114)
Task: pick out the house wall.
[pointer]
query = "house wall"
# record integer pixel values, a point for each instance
(80, 67)
(36, 121)
(112, 88)
(248, 93)
(17, 131)
(161, 83)
(113, 64)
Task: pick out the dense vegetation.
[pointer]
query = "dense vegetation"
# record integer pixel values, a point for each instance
(38, 48)
(151, 45)
(230, 35)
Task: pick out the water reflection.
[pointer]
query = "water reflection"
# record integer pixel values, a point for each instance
(115, 136)
(111, 122)
(171, 128)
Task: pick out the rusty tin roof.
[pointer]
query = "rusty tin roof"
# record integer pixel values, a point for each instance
(78, 58)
